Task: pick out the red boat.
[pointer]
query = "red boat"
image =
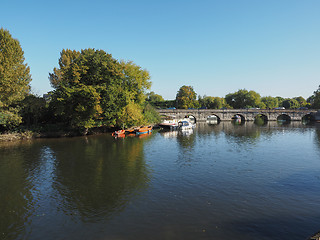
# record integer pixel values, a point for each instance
(119, 133)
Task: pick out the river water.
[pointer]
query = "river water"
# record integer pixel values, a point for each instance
(220, 181)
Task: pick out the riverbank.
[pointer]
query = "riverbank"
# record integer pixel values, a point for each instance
(56, 133)
(9, 137)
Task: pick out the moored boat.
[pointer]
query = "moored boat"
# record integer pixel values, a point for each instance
(143, 130)
(119, 133)
(169, 124)
(185, 125)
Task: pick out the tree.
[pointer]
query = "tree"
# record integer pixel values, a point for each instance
(289, 103)
(302, 102)
(211, 102)
(243, 99)
(32, 109)
(154, 98)
(316, 99)
(94, 89)
(186, 98)
(14, 79)
(280, 100)
(270, 102)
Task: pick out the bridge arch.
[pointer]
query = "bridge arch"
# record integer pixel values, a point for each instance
(227, 114)
(238, 116)
(191, 118)
(213, 119)
(260, 119)
(308, 118)
(284, 118)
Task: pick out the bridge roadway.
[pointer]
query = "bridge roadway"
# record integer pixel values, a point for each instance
(246, 114)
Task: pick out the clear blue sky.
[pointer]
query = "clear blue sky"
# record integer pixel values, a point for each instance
(218, 47)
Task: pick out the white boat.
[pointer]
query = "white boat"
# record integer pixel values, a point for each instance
(212, 119)
(185, 124)
(169, 124)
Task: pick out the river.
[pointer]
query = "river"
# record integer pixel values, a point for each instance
(220, 181)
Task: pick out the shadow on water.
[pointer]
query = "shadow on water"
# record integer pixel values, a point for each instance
(101, 175)
(19, 162)
(84, 178)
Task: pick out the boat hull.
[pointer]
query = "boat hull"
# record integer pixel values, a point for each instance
(144, 130)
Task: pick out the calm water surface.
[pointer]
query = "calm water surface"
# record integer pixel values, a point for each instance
(217, 182)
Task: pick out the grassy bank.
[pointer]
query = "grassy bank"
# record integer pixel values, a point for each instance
(8, 137)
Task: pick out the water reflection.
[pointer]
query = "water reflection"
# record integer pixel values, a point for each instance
(17, 165)
(100, 176)
(81, 178)
(219, 181)
(317, 136)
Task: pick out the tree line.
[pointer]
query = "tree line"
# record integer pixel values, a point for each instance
(187, 98)
(92, 89)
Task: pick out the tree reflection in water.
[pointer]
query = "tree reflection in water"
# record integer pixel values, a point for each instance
(19, 162)
(101, 176)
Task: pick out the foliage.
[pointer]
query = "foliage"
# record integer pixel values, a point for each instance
(32, 109)
(135, 81)
(150, 114)
(186, 98)
(302, 102)
(154, 98)
(211, 102)
(9, 119)
(316, 99)
(93, 89)
(14, 80)
(14, 73)
(270, 102)
(131, 115)
(243, 99)
(164, 104)
(78, 106)
(289, 103)
(310, 99)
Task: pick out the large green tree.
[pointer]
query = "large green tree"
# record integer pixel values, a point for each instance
(290, 103)
(152, 97)
(94, 89)
(186, 98)
(270, 102)
(211, 102)
(302, 102)
(14, 79)
(316, 99)
(243, 99)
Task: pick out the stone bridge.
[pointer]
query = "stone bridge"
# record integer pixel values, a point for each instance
(245, 114)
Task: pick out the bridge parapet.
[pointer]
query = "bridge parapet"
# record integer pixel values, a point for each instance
(247, 114)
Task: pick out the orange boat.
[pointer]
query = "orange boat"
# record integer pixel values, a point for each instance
(119, 133)
(130, 130)
(144, 130)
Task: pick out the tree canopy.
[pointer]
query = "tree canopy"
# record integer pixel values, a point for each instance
(186, 98)
(153, 97)
(243, 99)
(93, 89)
(14, 78)
(211, 102)
(316, 99)
(290, 103)
(270, 102)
